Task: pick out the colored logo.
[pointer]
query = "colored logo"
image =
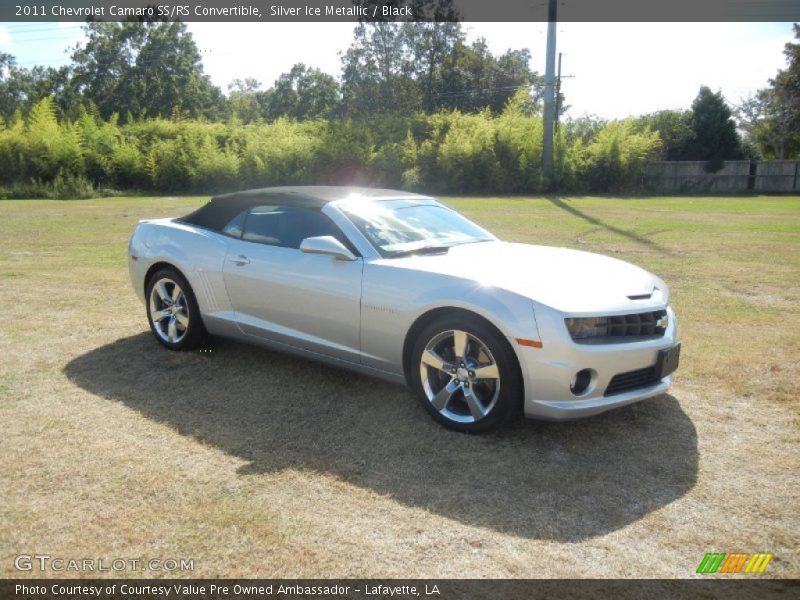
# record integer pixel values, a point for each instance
(737, 562)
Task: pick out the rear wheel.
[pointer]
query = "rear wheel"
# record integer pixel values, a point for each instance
(172, 311)
(466, 375)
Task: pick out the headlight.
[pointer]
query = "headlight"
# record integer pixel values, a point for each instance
(587, 327)
(618, 328)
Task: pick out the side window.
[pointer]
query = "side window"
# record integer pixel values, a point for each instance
(264, 224)
(236, 226)
(287, 226)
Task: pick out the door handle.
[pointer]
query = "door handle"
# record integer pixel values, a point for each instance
(240, 260)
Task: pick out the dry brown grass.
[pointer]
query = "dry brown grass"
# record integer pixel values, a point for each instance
(255, 464)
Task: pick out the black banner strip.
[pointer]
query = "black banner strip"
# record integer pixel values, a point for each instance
(371, 589)
(400, 10)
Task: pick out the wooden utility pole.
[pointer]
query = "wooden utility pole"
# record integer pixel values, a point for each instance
(549, 92)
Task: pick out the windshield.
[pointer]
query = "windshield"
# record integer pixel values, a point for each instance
(398, 227)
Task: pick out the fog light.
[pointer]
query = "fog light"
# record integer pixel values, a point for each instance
(580, 382)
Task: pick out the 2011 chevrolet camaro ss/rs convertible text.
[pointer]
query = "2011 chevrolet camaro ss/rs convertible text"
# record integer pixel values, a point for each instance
(400, 286)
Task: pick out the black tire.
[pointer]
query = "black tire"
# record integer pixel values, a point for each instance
(188, 337)
(485, 346)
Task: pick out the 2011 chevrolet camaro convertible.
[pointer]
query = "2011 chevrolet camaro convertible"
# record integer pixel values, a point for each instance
(400, 286)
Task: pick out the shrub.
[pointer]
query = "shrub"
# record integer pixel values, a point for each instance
(616, 157)
(444, 152)
(51, 148)
(519, 150)
(467, 156)
(65, 186)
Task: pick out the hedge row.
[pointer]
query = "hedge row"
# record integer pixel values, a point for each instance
(444, 153)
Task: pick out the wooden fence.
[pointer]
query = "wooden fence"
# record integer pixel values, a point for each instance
(735, 176)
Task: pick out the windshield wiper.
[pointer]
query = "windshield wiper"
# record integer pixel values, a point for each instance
(422, 250)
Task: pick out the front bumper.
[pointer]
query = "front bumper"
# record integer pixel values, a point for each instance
(547, 410)
(547, 373)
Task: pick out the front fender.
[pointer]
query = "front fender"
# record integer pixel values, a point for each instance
(394, 299)
(513, 315)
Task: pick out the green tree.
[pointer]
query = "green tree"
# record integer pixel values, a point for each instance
(143, 68)
(375, 72)
(401, 68)
(246, 99)
(427, 45)
(766, 119)
(674, 127)
(714, 137)
(22, 88)
(771, 116)
(474, 79)
(582, 129)
(302, 93)
(9, 93)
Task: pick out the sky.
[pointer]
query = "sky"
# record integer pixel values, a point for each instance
(615, 69)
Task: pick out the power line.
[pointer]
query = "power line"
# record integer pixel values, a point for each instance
(559, 77)
(17, 32)
(45, 39)
(477, 91)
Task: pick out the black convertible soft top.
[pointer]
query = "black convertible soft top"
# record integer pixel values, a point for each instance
(222, 209)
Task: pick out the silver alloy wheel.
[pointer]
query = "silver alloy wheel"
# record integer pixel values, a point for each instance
(460, 376)
(168, 310)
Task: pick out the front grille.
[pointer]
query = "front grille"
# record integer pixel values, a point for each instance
(631, 380)
(617, 328)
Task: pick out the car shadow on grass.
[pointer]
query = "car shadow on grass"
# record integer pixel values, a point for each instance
(565, 482)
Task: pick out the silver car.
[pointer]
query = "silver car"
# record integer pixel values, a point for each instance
(397, 285)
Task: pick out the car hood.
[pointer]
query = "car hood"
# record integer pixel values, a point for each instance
(568, 280)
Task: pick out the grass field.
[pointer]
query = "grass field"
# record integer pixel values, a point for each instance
(254, 464)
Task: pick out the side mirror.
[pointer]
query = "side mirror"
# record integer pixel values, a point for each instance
(326, 244)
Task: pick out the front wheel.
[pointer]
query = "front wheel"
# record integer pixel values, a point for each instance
(466, 375)
(172, 311)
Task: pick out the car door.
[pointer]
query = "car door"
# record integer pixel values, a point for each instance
(279, 293)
